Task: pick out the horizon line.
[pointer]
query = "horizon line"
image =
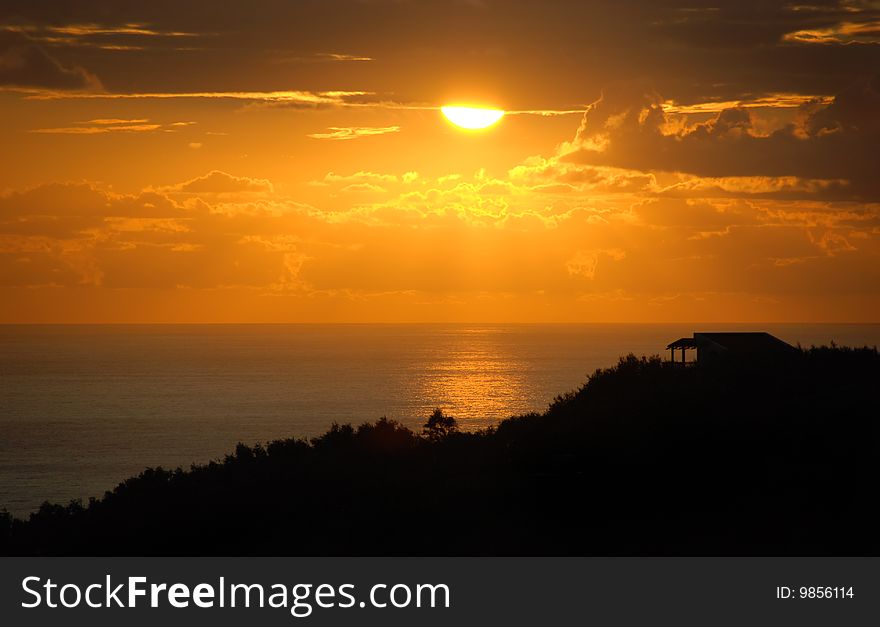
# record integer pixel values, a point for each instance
(422, 322)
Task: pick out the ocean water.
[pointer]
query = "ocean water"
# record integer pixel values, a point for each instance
(84, 407)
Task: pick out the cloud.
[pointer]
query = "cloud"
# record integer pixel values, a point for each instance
(48, 32)
(767, 101)
(545, 113)
(297, 99)
(68, 210)
(359, 176)
(290, 98)
(363, 188)
(96, 130)
(468, 238)
(127, 37)
(80, 235)
(108, 121)
(778, 187)
(217, 182)
(317, 57)
(540, 172)
(25, 64)
(738, 25)
(695, 53)
(354, 132)
(585, 263)
(111, 125)
(335, 56)
(845, 33)
(629, 128)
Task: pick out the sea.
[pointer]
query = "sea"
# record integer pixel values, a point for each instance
(83, 407)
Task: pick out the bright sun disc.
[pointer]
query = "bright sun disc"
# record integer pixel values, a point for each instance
(472, 117)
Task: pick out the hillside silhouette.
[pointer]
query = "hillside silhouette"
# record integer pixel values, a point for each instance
(736, 457)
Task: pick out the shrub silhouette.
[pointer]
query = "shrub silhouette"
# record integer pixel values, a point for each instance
(766, 457)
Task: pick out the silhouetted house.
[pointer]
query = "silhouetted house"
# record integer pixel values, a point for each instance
(712, 345)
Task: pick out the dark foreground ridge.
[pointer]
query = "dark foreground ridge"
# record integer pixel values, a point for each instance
(728, 458)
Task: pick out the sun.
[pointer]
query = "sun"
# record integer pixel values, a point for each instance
(472, 118)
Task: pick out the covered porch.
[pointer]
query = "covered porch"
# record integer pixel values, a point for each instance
(683, 344)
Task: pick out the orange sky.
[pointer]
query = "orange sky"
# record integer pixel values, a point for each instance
(284, 162)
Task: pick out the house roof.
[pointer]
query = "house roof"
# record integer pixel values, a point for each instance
(735, 343)
(683, 342)
(741, 343)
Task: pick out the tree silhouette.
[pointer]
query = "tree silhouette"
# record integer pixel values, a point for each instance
(439, 426)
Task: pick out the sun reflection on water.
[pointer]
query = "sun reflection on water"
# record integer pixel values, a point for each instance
(477, 380)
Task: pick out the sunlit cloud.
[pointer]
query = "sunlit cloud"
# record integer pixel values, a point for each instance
(98, 126)
(108, 121)
(335, 98)
(86, 30)
(773, 101)
(546, 113)
(129, 37)
(223, 231)
(219, 182)
(354, 132)
(292, 97)
(841, 34)
(284, 57)
(100, 36)
(333, 56)
(360, 188)
(360, 175)
(585, 263)
(95, 130)
(630, 129)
